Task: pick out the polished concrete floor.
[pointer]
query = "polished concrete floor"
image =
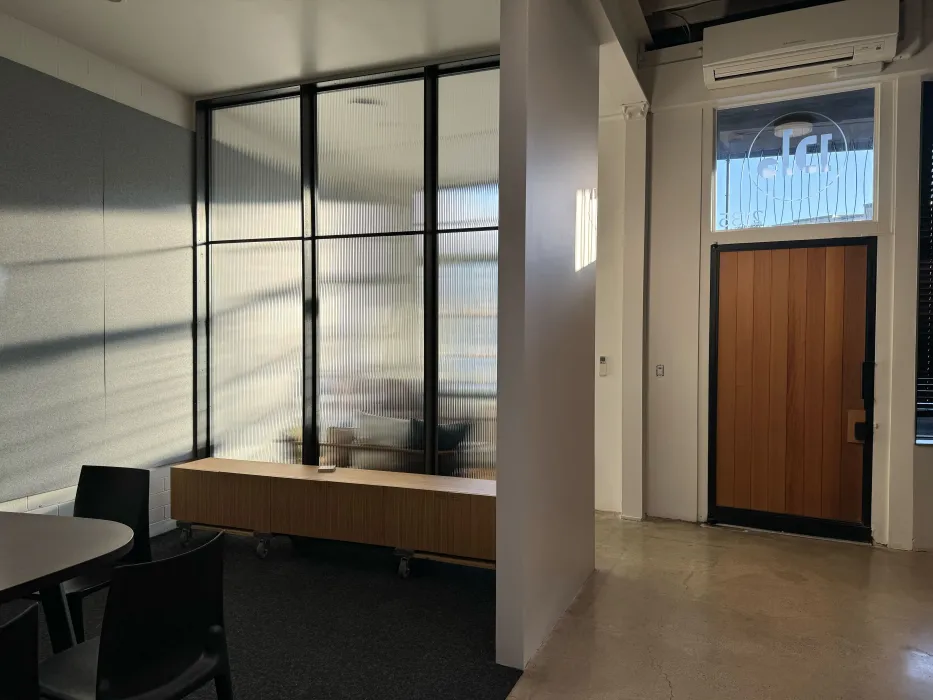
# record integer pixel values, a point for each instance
(679, 611)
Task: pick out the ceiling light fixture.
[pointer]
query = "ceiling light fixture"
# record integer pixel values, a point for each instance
(797, 125)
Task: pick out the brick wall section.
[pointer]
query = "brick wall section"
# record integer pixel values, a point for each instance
(61, 502)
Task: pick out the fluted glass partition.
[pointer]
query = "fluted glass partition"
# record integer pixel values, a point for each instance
(371, 352)
(352, 273)
(256, 346)
(468, 150)
(468, 266)
(370, 145)
(468, 271)
(255, 281)
(255, 172)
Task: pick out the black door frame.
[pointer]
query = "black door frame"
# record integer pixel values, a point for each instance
(819, 527)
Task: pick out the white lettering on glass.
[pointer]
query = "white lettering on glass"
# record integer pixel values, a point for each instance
(767, 168)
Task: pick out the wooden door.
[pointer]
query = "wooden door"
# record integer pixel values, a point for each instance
(792, 328)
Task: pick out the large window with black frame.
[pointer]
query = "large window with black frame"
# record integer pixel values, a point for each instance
(925, 278)
(350, 268)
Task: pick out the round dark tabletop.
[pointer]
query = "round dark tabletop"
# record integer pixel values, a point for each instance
(37, 551)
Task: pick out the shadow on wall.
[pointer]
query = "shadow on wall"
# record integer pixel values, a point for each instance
(96, 290)
(120, 396)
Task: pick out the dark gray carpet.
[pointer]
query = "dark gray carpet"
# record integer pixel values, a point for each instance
(330, 621)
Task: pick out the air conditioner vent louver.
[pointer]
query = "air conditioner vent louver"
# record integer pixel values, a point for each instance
(829, 56)
(801, 42)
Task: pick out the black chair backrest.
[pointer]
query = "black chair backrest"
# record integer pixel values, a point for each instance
(120, 494)
(161, 619)
(19, 656)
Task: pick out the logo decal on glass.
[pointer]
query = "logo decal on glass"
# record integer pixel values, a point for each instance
(802, 153)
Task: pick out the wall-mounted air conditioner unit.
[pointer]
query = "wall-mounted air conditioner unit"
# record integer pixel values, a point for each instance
(801, 42)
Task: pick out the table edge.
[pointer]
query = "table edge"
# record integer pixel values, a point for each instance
(57, 577)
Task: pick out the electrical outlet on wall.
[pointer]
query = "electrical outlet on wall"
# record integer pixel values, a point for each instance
(603, 366)
(659, 371)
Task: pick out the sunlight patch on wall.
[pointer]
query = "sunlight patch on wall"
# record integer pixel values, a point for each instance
(585, 230)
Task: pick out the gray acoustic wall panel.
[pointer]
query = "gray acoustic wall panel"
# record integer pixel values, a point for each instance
(148, 284)
(95, 284)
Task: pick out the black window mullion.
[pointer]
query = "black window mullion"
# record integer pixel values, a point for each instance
(201, 297)
(311, 448)
(430, 269)
(924, 402)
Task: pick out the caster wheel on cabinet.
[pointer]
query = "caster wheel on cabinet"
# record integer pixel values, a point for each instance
(262, 549)
(185, 536)
(404, 567)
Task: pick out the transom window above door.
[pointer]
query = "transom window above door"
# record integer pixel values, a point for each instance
(802, 161)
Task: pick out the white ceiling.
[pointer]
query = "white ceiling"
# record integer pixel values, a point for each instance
(210, 47)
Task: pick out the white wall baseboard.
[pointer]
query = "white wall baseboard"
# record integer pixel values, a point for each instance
(161, 527)
(61, 502)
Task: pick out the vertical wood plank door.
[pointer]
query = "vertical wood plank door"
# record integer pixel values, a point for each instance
(790, 338)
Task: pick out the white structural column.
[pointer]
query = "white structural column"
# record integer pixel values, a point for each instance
(620, 312)
(548, 154)
(633, 312)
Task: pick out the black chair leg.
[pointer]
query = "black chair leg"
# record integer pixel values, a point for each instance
(61, 632)
(76, 608)
(224, 686)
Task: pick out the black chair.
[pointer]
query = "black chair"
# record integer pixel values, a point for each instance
(19, 656)
(162, 638)
(120, 494)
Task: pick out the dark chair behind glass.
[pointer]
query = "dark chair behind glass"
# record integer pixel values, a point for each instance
(119, 494)
(19, 656)
(163, 635)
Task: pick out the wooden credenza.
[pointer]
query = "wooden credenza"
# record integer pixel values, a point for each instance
(417, 512)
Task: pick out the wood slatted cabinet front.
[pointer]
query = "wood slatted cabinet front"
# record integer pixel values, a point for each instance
(433, 514)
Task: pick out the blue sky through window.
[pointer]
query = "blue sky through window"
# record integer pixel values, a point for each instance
(846, 193)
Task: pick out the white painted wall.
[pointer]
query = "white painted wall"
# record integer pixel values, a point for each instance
(609, 275)
(906, 96)
(620, 312)
(29, 46)
(549, 150)
(673, 319)
(681, 166)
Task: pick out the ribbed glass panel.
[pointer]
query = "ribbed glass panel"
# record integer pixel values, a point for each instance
(468, 273)
(370, 159)
(371, 352)
(256, 346)
(202, 359)
(255, 177)
(468, 150)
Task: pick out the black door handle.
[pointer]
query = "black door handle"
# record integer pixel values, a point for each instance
(861, 431)
(868, 383)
